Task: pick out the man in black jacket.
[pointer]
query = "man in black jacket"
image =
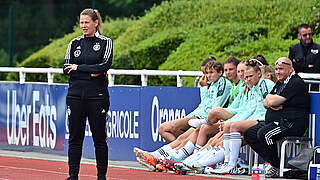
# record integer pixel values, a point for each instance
(305, 55)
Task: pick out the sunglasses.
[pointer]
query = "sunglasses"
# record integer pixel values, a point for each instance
(307, 34)
(280, 62)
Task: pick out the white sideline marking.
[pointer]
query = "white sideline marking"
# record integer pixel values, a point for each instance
(45, 171)
(54, 172)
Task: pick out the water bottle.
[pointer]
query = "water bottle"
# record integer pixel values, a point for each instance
(255, 172)
(258, 172)
(262, 175)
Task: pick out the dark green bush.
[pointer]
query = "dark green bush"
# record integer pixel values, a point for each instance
(152, 52)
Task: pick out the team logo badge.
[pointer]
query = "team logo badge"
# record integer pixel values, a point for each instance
(96, 47)
(314, 51)
(77, 53)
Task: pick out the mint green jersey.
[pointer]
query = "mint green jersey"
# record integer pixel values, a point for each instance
(215, 95)
(262, 89)
(246, 105)
(250, 102)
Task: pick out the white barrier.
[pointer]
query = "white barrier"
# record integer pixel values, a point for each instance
(22, 72)
(111, 74)
(308, 77)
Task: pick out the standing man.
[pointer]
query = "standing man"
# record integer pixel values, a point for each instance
(305, 55)
(287, 115)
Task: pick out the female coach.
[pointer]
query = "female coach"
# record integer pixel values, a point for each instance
(87, 60)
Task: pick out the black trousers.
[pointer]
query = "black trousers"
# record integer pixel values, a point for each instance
(262, 138)
(96, 111)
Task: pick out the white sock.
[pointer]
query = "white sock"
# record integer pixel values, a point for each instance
(155, 154)
(166, 147)
(235, 145)
(226, 141)
(185, 151)
(213, 157)
(196, 148)
(172, 152)
(162, 152)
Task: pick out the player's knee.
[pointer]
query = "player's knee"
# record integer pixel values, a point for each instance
(214, 113)
(217, 111)
(162, 128)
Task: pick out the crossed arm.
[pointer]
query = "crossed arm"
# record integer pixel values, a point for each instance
(274, 101)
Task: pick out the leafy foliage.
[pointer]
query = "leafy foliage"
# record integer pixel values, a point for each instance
(180, 34)
(153, 51)
(53, 54)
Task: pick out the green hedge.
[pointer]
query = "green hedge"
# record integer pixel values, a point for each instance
(152, 52)
(205, 42)
(53, 54)
(180, 34)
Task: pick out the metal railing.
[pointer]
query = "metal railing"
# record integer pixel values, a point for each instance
(145, 73)
(309, 78)
(111, 74)
(23, 71)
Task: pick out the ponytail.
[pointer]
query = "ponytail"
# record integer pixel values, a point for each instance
(99, 27)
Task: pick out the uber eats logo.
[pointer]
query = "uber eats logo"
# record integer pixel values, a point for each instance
(31, 124)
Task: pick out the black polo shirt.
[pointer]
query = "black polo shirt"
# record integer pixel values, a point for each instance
(297, 106)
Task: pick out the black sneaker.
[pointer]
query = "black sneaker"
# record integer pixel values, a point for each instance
(272, 172)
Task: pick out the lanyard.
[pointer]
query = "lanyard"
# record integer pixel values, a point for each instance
(235, 89)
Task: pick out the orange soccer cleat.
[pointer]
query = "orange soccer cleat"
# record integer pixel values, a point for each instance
(153, 161)
(161, 168)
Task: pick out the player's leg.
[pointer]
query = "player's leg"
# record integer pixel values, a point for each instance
(172, 129)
